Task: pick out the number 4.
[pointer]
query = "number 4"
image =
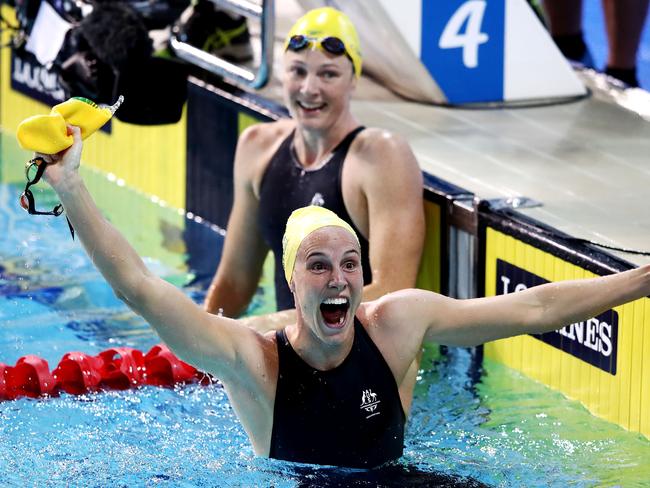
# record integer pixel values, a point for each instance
(452, 37)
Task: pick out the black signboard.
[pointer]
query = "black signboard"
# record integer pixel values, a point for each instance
(31, 78)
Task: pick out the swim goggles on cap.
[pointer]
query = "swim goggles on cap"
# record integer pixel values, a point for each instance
(332, 45)
(34, 169)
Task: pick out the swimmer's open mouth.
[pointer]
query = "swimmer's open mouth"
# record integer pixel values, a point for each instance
(310, 107)
(334, 311)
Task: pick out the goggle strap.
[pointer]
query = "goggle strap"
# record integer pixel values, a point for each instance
(31, 204)
(70, 227)
(40, 169)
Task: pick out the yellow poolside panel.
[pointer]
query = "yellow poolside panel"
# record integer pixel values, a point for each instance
(491, 265)
(642, 317)
(149, 158)
(635, 374)
(626, 365)
(645, 373)
(623, 397)
(621, 387)
(429, 274)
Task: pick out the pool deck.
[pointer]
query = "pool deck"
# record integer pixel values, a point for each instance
(586, 162)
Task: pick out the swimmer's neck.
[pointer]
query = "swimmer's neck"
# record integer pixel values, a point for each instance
(313, 145)
(317, 353)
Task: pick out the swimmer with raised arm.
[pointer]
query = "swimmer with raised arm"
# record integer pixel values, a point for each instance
(321, 156)
(325, 389)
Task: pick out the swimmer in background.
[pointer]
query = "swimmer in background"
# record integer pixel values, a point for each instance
(321, 156)
(326, 389)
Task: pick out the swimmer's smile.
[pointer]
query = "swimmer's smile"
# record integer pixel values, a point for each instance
(335, 311)
(311, 107)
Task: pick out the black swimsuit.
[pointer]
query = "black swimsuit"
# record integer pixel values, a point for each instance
(286, 186)
(348, 416)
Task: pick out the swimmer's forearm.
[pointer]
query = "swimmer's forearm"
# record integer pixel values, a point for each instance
(572, 301)
(540, 309)
(109, 250)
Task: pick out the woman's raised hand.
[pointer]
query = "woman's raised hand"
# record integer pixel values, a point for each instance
(63, 166)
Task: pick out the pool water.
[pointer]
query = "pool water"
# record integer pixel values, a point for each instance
(490, 425)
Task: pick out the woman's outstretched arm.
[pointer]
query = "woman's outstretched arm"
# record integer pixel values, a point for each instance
(211, 343)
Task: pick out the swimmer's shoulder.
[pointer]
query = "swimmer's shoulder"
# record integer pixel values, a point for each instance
(389, 310)
(377, 139)
(256, 146)
(378, 317)
(379, 146)
(378, 313)
(266, 135)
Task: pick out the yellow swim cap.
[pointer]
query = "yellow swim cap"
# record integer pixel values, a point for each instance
(326, 22)
(300, 224)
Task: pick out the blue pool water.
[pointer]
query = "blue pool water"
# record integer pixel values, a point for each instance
(494, 426)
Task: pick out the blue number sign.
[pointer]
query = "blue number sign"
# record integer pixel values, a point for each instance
(463, 48)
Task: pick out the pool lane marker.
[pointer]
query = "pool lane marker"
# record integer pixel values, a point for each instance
(118, 368)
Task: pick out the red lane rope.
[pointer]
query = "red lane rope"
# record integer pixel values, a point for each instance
(77, 373)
